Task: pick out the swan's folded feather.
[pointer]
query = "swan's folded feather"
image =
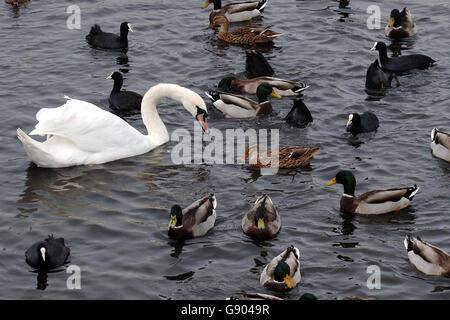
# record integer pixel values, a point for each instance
(86, 125)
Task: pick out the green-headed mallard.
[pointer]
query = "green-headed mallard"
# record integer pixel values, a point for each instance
(440, 144)
(280, 86)
(372, 202)
(248, 35)
(288, 157)
(427, 258)
(263, 220)
(195, 220)
(234, 106)
(400, 25)
(283, 272)
(236, 11)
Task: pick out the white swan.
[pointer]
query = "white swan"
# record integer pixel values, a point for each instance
(80, 133)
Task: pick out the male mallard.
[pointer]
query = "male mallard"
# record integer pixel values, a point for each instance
(401, 24)
(236, 11)
(195, 220)
(234, 106)
(263, 220)
(427, 258)
(288, 157)
(248, 35)
(372, 202)
(440, 144)
(280, 86)
(283, 272)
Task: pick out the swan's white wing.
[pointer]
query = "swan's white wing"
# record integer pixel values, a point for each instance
(87, 126)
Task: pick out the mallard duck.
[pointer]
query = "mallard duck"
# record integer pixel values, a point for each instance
(195, 220)
(125, 102)
(16, 2)
(440, 144)
(234, 106)
(263, 220)
(299, 116)
(105, 40)
(402, 63)
(288, 157)
(372, 202)
(401, 24)
(254, 296)
(427, 258)
(236, 11)
(248, 35)
(283, 272)
(365, 122)
(256, 65)
(47, 254)
(377, 79)
(282, 87)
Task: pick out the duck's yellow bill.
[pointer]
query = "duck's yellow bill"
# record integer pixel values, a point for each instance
(391, 23)
(261, 223)
(331, 182)
(288, 281)
(276, 95)
(173, 221)
(207, 3)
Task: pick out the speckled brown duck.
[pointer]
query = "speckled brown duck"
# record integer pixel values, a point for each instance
(289, 157)
(248, 35)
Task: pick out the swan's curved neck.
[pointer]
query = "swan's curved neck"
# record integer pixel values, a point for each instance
(157, 131)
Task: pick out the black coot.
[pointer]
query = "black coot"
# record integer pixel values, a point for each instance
(47, 254)
(256, 65)
(299, 116)
(106, 40)
(365, 122)
(402, 63)
(123, 101)
(377, 79)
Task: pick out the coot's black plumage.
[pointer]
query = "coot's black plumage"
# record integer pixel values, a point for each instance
(256, 65)
(299, 116)
(402, 63)
(106, 40)
(123, 101)
(377, 79)
(47, 254)
(365, 122)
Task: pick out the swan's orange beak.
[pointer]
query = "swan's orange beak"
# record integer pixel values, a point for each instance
(203, 122)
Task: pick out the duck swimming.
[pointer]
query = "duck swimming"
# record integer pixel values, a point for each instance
(402, 63)
(263, 220)
(283, 272)
(282, 87)
(401, 25)
(236, 11)
(248, 35)
(234, 106)
(372, 202)
(195, 220)
(440, 144)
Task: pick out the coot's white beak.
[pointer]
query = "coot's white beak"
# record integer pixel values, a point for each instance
(43, 253)
(110, 76)
(350, 118)
(374, 47)
(129, 27)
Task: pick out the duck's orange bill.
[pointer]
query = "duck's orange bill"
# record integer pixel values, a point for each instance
(288, 281)
(331, 182)
(207, 3)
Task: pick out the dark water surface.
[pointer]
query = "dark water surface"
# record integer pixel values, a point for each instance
(114, 216)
